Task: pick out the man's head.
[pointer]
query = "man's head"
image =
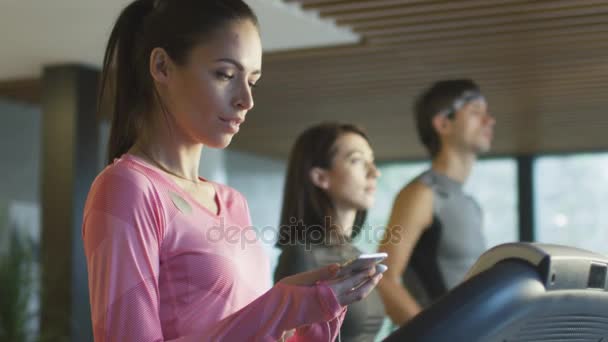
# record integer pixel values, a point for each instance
(454, 113)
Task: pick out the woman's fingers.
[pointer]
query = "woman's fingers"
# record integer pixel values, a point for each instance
(351, 281)
(312, 277)
(348, 289)
(360, 292)
(356, 287)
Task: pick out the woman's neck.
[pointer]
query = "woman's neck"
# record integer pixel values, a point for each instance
(170, 152)
(340, 225)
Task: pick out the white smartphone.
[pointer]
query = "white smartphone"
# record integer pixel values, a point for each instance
(362, 262)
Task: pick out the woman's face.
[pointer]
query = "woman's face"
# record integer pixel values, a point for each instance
(352, 175)
(209, 96)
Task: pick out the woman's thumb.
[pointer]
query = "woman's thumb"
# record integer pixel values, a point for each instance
(328, 272)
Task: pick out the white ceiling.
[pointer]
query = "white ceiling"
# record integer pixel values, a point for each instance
(34, 33)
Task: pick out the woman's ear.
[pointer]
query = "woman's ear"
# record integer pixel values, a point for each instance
(319, 177)
(160, 64)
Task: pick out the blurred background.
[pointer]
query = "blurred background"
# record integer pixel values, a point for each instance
(542, 65)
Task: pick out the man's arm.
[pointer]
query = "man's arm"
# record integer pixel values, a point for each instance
(412, 213)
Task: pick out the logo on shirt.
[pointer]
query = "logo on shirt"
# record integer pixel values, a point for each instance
(180, 203)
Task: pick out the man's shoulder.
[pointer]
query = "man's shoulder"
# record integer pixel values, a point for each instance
(419, 187)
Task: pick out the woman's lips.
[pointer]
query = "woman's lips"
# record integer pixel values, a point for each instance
(232, 125)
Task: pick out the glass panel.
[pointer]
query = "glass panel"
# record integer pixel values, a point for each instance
(20, 149)
(570, 200)
(493, 183)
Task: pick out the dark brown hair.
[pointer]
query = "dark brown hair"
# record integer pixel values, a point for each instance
(306, 207)
(177, 26)
(433, 100)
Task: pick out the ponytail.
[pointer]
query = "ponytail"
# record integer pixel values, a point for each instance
(119, 81)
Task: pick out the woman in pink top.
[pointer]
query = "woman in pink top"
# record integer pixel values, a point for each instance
(172, 256)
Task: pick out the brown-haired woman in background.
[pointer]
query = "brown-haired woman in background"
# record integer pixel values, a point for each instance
(330, 184)
(184, 71)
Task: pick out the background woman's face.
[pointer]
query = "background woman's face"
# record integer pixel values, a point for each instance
(352, 175)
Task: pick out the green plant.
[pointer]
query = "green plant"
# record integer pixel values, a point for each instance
(17, 285)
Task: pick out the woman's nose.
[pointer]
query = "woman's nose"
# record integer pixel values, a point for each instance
(244, 98)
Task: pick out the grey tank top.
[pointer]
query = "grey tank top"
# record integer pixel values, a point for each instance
(450, 245)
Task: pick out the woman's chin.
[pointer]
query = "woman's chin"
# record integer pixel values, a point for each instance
(220, 142)
(364, 205)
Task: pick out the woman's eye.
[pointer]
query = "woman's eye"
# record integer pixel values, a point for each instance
(224, 76)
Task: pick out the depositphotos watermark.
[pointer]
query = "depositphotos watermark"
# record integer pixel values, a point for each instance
(296, 233)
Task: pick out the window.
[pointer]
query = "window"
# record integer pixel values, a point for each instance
(493, 183)
(570, 200)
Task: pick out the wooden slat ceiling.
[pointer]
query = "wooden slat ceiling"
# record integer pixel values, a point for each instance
(543, 65)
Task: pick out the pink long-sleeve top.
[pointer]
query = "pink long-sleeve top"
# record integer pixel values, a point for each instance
(164, 268)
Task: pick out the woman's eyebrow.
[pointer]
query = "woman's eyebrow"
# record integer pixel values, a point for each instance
(237, 65)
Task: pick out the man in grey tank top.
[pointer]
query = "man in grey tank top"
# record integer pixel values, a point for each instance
(434, 233)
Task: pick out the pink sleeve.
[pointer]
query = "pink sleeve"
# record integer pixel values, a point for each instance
(122, 238)
(123, 232)
(314, 310)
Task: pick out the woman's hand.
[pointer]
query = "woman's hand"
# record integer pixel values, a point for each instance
(348, 289)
